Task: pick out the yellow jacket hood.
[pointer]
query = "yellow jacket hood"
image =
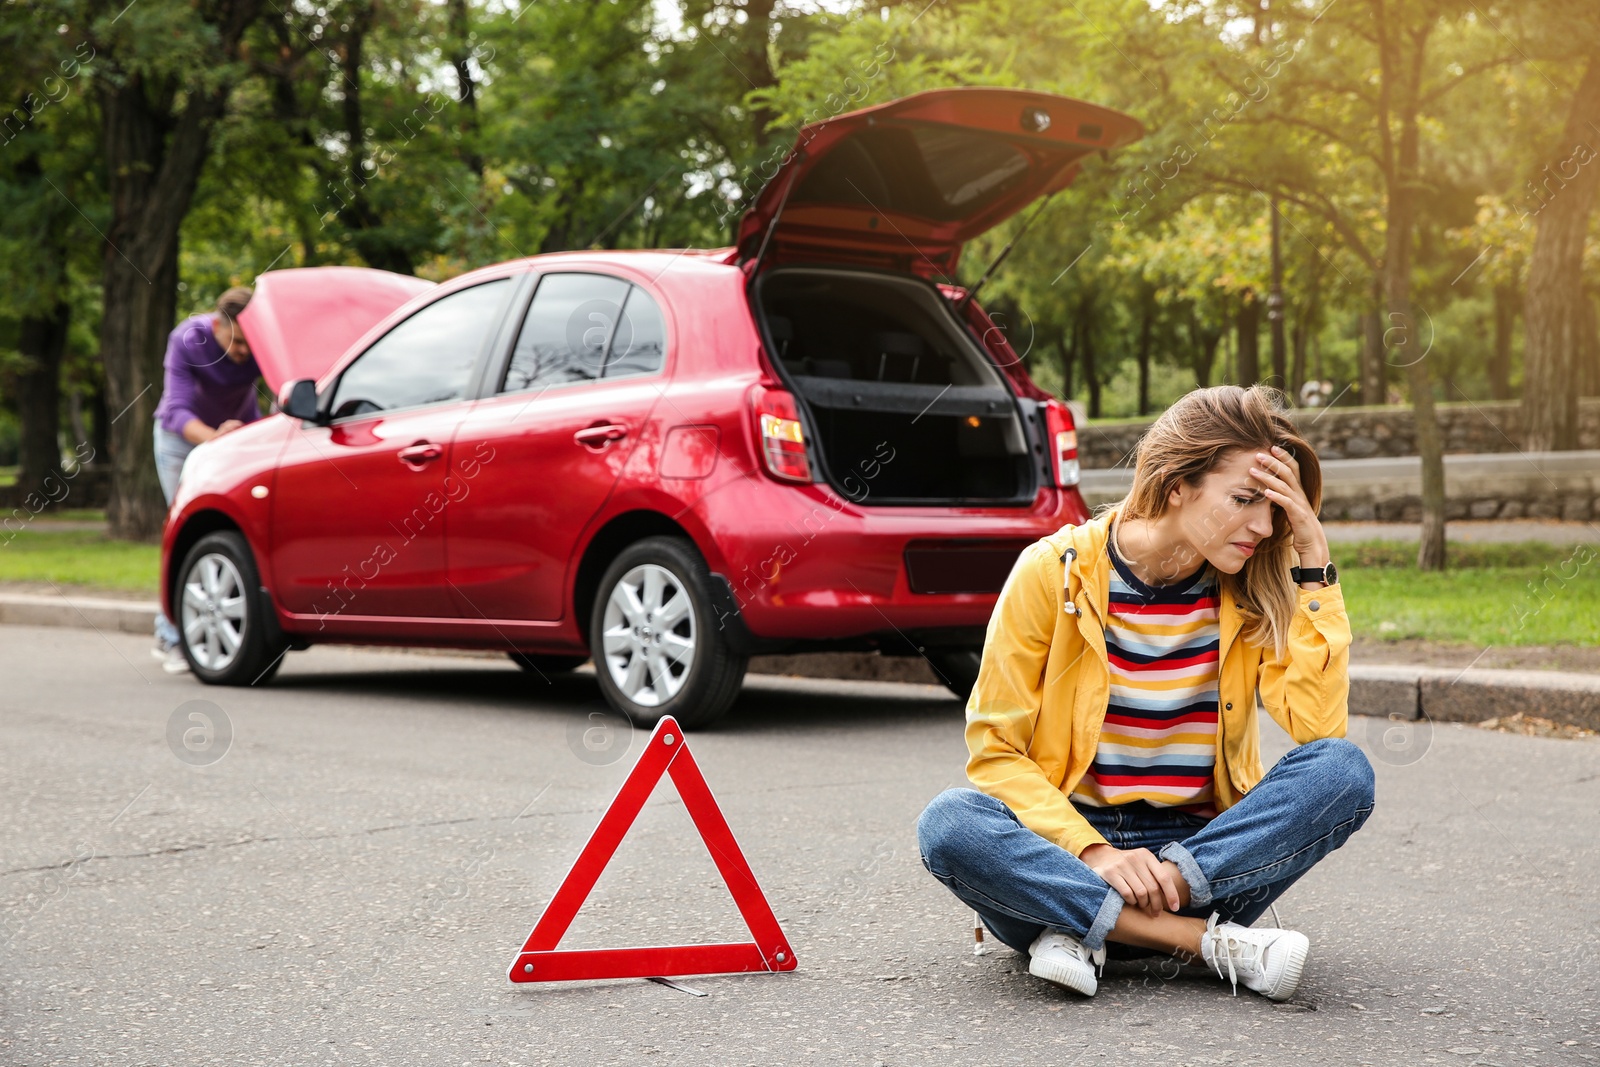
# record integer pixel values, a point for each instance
(1034, 717)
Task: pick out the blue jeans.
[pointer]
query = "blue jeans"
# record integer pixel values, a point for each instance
(1236, 864)
(171, 451)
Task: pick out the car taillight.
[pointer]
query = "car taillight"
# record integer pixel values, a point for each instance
(783, 439)
(1062, 440)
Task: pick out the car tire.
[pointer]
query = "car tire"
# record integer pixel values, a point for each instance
(541, 665)
(957, 668)
(654, 636)
(221, 619)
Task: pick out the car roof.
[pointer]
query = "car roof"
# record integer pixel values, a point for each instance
(662, 266)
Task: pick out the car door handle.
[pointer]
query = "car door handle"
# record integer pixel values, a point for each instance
(600, 435)
(421, 452)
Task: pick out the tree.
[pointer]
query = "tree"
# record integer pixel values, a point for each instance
(1560, 315)
(1356, 91)
(46, 147)
(162, 83)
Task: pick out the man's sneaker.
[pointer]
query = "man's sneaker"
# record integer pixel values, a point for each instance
(174, 661)
(160, 651)
(1268, 961)
(1061, 958)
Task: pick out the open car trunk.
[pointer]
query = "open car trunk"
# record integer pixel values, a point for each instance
(902, 406)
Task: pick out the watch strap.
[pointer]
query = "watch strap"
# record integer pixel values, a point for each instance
(1313, 574)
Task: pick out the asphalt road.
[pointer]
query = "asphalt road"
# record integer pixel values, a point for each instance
(348, 883)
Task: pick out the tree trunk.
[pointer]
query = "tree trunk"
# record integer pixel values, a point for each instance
(41, 339)
(1308, 311)
(100, 430)
(1374, 376)
(1297, 367)
(1248, 368)
(1554, 314)
(140, 304)
(756, 68)
(1589, 365)
(1208, 358)
(1065, 350)
(466, 88)
(1275, 307)
(1404, 341)
(1147, 323)
(356, 210)
(1202, 349)
(1086, 353)
(154, 155)
(1505, 320)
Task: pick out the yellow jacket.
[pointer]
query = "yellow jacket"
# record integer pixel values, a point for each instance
(1034, 718)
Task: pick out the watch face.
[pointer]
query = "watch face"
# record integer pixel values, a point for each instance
(1333, 573)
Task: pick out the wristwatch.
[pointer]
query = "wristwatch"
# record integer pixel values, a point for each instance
(1327, 574)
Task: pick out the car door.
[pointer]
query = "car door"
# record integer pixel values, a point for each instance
(362, 502)
(572, 404)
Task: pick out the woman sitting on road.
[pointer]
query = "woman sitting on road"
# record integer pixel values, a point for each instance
(1113, 734)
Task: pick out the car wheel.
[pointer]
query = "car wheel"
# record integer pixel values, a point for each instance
(220, 614)
(543, 665)
(957, 668)
(657, 647)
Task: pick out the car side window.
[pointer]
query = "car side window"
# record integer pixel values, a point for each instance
(427, 359)
(586, 328)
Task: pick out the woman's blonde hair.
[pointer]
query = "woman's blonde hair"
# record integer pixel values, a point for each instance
(1190, 440)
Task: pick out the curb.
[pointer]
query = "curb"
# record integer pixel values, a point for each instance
(80, 612)
(1473, 695)
(1393, 692)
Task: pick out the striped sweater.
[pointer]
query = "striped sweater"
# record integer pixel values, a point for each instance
(1159, 741)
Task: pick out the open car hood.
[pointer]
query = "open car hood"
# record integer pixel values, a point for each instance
(301, 320)
(904, 185)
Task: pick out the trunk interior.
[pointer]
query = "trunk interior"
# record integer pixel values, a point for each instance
(904, 405)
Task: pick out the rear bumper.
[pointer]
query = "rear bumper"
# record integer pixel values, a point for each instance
(804, 566)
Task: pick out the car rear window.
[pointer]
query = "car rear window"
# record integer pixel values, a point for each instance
(586, 328)
(932, 172)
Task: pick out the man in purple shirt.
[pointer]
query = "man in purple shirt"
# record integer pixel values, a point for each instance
(209, 389)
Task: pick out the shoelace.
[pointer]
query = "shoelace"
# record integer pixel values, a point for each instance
(1094, 957)
(1233, 949)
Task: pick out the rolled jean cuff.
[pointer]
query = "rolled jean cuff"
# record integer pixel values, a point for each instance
(1104, 920)
(1199, 887)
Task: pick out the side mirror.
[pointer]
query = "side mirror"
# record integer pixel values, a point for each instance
(299, 400)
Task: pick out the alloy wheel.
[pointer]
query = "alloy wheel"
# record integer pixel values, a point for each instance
(213, 611)
(649, 634)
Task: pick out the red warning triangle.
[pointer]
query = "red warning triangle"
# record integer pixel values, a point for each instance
(665, 753)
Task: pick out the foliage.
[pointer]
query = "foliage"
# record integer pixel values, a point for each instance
(438, 135)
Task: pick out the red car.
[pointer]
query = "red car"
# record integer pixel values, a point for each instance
(664, 461)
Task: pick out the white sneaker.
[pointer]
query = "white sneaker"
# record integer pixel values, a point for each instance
(1268, 960)
(1061, 958)
(160, 651)
(174, 662)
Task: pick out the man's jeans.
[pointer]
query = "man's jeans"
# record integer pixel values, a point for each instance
(171, 451)
(1236, 864)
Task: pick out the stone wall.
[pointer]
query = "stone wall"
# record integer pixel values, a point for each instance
(1516, 485)
(1361, 433)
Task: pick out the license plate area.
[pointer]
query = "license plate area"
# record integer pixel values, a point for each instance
(969, 566)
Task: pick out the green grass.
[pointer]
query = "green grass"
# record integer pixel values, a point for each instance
(79, 558)
(73, 515)
(1526, 593)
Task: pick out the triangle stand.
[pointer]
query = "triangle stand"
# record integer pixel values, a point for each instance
(665, 753)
